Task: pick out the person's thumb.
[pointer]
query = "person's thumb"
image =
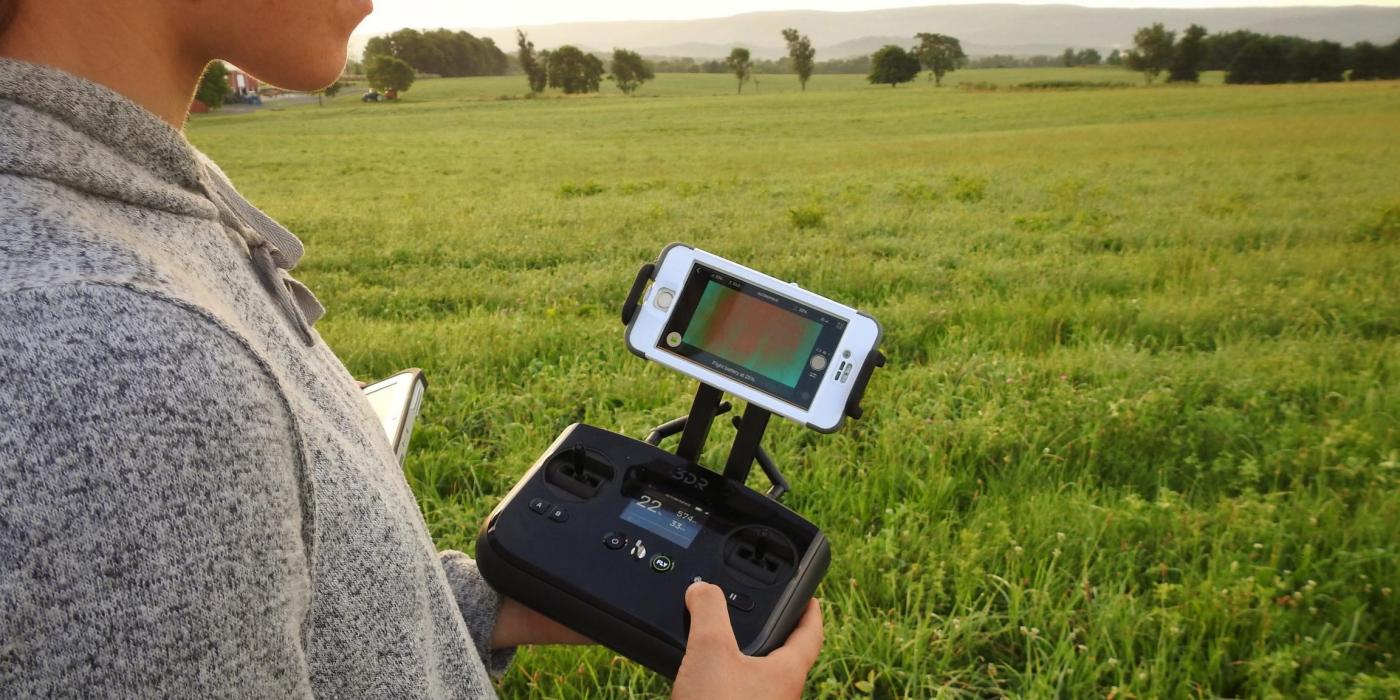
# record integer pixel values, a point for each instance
(709, 619)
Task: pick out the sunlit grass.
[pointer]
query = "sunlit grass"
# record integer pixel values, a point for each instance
(1139, 428)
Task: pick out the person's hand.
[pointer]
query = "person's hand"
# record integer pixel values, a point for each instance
(715, 669)
(517, 625)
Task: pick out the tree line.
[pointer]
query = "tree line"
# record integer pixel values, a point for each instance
(440, 52)
(1251, 58)
(392, 62)
(775, 66)
(575, 71)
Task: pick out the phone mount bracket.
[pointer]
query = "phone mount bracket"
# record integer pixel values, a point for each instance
(709, 403)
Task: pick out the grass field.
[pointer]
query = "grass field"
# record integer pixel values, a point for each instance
(1138, 435)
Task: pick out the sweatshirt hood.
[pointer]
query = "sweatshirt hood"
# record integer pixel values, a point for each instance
(74, 132)
(59, 127)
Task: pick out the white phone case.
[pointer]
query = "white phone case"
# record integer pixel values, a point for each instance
(839, 377)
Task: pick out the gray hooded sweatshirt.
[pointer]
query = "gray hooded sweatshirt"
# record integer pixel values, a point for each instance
(195, 498)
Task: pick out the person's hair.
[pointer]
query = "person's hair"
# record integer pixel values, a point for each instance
(7, 13)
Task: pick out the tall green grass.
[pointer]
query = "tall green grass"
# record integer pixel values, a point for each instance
(1138, 435)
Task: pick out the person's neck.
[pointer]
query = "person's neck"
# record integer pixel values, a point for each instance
(103, 42)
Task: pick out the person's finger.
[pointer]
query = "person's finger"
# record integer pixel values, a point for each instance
(805, 642)
(709, 619)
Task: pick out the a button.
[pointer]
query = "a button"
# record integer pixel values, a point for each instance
(638, 550)
(662, 563)
(739, 601)
(558, 515)
(614, 540)
(664, 298)
(673, 339)
(846, 354)
(818, 362)
(541, 506)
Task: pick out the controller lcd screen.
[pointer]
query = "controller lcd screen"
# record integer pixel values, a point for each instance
(665, 515)
(770, 342)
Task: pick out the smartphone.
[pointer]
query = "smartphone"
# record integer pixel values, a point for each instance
(790, 351)
(396, 402)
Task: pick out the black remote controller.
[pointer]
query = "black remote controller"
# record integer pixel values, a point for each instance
(604, 534)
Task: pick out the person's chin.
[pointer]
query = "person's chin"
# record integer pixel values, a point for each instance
(361, 9)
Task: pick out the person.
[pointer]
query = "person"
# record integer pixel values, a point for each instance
(195, 497)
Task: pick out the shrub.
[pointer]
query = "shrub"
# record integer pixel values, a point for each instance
(1071, 85)
(570, 190)
(807, 217)
(913, 192)
(969, 189)
(1385, 229)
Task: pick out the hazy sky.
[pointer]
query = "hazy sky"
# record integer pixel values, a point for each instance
(393, 14)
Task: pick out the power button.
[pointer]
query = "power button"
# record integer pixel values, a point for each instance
(664, 298)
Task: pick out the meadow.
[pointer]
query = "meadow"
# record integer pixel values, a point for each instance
(1139, 436)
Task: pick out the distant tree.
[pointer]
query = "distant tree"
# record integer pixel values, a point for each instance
(1367, 61)
(1088, 57)
(353, 67)
(1371, 62)
(385, 73)
(1187, 56)
(1067, 58)
(740, 63)
(1221, 48)
(573, 71)
(1152, 51)
(1316, 62)
(213, 85)
(939, 53)
(802, 54)
(1262, 61)
(893, 65)
(534, 70)
(328, 91)
(629, 70)
(1115, 58)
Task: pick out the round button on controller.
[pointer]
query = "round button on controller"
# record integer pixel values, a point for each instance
(818, 362)
(614, 540)
(662, 563)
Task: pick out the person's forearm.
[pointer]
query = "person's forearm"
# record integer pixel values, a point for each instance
(517, 625)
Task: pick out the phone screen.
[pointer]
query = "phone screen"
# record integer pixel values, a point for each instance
(765, 340)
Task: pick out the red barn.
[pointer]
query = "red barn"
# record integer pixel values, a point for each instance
(242, 83)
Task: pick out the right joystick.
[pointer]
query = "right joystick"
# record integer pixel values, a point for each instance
(759, 555)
